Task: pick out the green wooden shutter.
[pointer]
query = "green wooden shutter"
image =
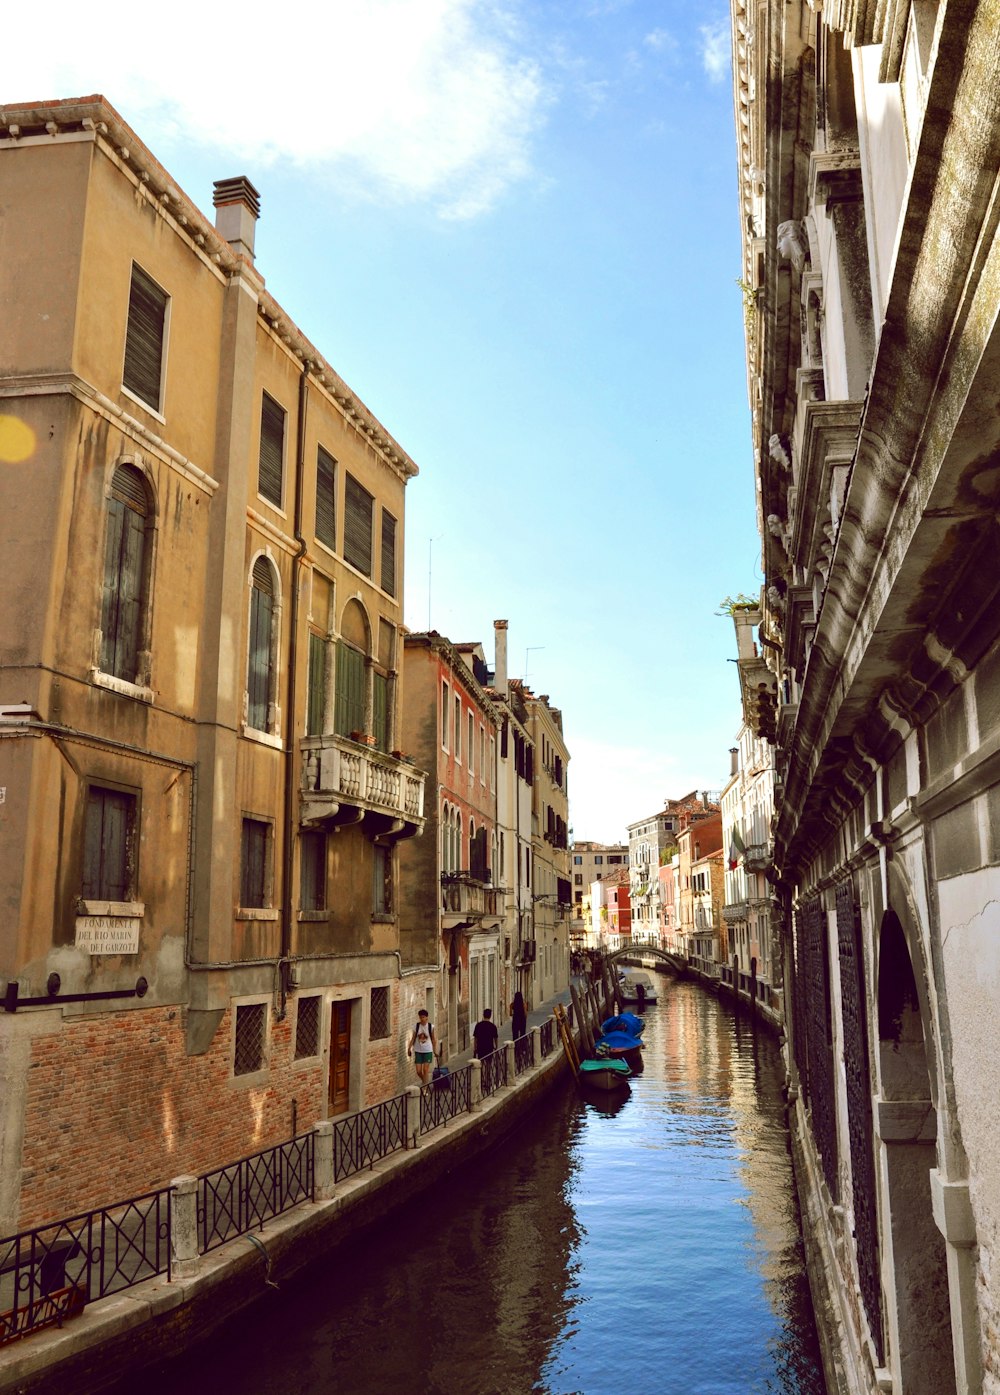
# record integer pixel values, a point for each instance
(253, 863)
(326, 510)
(272, 449)
(259, 656)
(147, 310)
(317, 686)
(358, 506)
(380, 711)
(108, 824)
(388, 553)
(350, 690)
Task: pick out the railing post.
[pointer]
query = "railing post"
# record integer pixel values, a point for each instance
(323, 1159)
(413, 1112)
(184, 1252)
(508, 1047)
(475, 1083)
(536, 1046)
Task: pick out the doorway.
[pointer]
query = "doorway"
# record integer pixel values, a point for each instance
(340, 1059)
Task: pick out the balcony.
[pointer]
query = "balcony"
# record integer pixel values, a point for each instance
(757, 857)
(469, 903)
(344, 781)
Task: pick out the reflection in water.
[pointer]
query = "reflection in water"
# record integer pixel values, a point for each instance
(647, 1242)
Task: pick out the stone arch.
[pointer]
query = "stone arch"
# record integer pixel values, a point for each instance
(916, 1283)
(355, 627)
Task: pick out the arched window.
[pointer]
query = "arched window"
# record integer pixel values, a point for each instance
(126, 574)
(260, 661)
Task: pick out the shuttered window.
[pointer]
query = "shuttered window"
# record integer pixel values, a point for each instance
(350, 697)
(272, 450)
(380, 710)
(109, 872)
(312, 880)
(326, 507)
(260, 662)
(316, 698)
(123, 599)
(144, 335)
(381, 881)
(388, 553)
(254, 862)
(358, 506)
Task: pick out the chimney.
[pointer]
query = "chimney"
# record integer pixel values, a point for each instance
(500, 656)
(734, 760)
(237, 208)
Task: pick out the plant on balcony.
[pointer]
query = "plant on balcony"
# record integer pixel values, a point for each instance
(362, 738)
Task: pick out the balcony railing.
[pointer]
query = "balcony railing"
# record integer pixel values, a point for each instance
(337, 771)
(757, 856)
(465, 895)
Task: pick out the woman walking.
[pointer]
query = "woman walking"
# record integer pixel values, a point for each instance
(518, 1016)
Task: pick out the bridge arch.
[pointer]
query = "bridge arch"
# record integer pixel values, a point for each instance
(631, 952)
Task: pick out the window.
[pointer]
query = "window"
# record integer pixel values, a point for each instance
(254, 851)
(312, 871)
(458, 727)
(388, 553)
(142, 374)
(109, 845)
(358, 506)
(270, 469)
(378, 1018)
(381, 880)
(326, 498)
(316, 695)
(471, 747)
(577, 861)
(349, 714)
(380, 711)
(260, 663)
(126, 570)
(598, 861)
(445, 715)
(248, 1053)
(307, 1019)
(482, 755)
(578, 878)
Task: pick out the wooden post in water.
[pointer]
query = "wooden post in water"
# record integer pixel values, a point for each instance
(595, 1009)
(586, 1035)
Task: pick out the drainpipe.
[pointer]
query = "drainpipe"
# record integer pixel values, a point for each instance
(291, 754)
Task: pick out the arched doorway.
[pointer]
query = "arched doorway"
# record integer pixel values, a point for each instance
(907, 1117)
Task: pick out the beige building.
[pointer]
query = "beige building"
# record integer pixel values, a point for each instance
(199, 692)
(590, 862)
(551, 893)
(869, 145)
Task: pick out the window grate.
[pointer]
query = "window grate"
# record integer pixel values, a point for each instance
(307, 1028)
(379, 1017)
(248, 1057)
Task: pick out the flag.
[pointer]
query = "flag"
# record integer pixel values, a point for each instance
(736, 848)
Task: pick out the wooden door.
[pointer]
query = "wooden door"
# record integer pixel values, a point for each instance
(340, 1058)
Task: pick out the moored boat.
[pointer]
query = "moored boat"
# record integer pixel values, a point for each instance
(605, 1073)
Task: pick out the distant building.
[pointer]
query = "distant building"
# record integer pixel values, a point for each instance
(590, 862)
(747, 811)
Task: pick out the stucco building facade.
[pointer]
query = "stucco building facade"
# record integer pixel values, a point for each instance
(199, 689)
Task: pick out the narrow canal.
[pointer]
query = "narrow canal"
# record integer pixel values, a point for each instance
(650, 1244)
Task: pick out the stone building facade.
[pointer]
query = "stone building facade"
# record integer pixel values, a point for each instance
(199, 695)
(869, 144)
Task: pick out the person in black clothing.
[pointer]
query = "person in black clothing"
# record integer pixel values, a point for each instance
(518, 1015)
(485, 1034)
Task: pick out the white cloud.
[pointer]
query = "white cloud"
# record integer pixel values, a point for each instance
(660, 40)
(429, 100)
(715, 55)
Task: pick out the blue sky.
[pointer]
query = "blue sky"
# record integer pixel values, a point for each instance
(513, 229)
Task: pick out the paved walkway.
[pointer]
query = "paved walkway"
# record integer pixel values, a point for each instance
(536, 1017)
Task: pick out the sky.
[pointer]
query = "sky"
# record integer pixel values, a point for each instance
(512, 227)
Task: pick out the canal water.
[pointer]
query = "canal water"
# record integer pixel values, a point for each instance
(649, 1244)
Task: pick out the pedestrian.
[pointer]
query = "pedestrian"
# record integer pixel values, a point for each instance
(518, 1015)
(423, 1046)
(485, 1035)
